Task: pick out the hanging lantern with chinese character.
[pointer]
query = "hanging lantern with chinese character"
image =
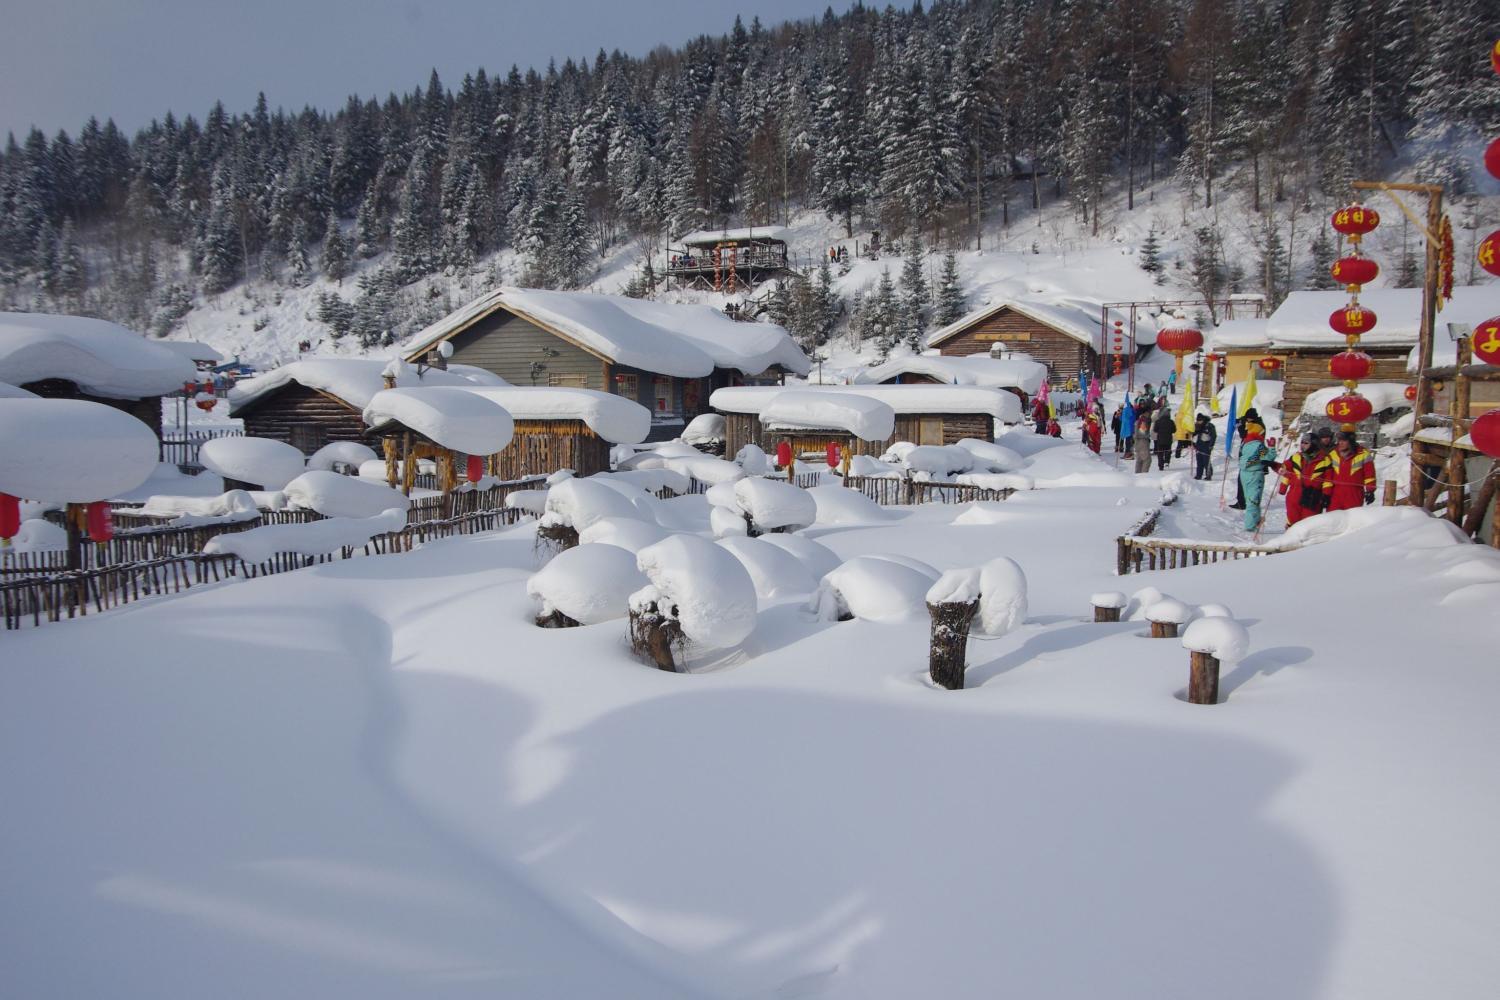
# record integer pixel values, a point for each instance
(1355, 221)
(1485, 433)
(1486, 341)
(10, 517)
(474, 468)
(1354, 270)
(1269, 364)
(1492, 158)
(784, 454)
(1489, 253)
(1350, 366)
(101, 525)
(833, 454)
(1353, 320)
(1349, 409)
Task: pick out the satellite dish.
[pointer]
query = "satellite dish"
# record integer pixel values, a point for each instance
(445, 349)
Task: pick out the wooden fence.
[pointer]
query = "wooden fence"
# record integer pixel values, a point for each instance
(1137, 551)
(893, 492)
(182, 449)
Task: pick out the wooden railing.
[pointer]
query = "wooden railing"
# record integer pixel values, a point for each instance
(1137, 551)
(182, 449)
(894, 492)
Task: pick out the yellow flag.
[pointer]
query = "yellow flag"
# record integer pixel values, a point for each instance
(1051, 410)
(1249, 396)
(1185, 412)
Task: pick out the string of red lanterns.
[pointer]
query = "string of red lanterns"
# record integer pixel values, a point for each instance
(1353, 272)
(1485, 340)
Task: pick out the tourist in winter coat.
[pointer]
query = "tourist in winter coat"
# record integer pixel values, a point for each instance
(1039, 415)
(1163, 427)
(1114, 425)
(1140, 441)
(1205, 436)
(1255, 459)
(1092, 433)
(1304, 481)
(1351, 474)
(1171, 382)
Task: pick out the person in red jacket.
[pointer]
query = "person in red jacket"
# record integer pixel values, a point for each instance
(1351, 474)
(1304, 481)
(1092, 432)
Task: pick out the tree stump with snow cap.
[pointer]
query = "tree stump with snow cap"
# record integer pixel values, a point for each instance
(1203, 679)
(653, 634)
(1166, 617)
(1107, 606)
(1212, 641)
(951, 621)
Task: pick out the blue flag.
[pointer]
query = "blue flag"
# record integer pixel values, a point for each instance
(1127, 421)
(1233, 421)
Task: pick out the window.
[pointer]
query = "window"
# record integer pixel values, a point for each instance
(577, 381)
(628, 386)
(664, 401)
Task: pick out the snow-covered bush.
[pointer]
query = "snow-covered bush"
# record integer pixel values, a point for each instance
(938, 461)
(705, 432)
(350, 453)
(841, 505)
(235, 503)
(990, 457)
(585, 585)
(753, 459)
(333, 495)
(533, 502)
(776, 572)
(574, 504)
(727, 522)
(773, 505)
(874, 589)
(865, 465)
(262, 462)
(700, 587)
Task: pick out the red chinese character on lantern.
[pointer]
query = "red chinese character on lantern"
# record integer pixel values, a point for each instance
(1486, 341)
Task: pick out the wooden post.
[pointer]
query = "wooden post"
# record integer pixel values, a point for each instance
(1203, 681)
(950, 642)
(408, 464)
(1389, 498)
(1163, 630)
(1458, 414)
(388, 446)
(652, 636)
(1474, 518)
(72, 520)
(1106, 614)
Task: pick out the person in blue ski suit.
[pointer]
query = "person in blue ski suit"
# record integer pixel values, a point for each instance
(1255, 459)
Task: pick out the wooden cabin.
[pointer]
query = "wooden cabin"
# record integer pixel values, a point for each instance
(75, 357)
(563, 428)
(925, 414)
(317, 401)
(1063, 337)
(1022, 377)
(667, 358)
(729, 260)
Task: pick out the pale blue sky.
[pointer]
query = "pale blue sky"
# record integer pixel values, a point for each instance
(63, 60)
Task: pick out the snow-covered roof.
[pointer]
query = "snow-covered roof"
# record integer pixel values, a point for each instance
(1239, 335)
(902, 399)
(977, 369)
(354, 380)
(1302, 320)
(72, 450)
(192, 350)
(735, 235)
(614, 418)
(103, 359)
(1076, 317)
(688, 341)
(268, 463)
(817, 409)
(446, 415)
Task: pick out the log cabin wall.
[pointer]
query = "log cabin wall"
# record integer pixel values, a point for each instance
(147, 411)
(304, 418)
(1063, 355)
(541, 447)
(741, 429)
(1306, 371)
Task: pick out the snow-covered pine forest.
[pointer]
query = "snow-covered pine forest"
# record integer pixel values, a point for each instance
(949, 122)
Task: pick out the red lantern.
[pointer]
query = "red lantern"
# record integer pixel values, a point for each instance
(1492, 158)
(1354, 270)
(1350, 408)
(1410, 393)
(1495, 57)
(784, 454)
(833, 454)
(1179, 340)
(1350, 366)
(1486, 341)
(1485, 433)
(1353, 320)
(189, 388)
(1269, 364)
(474, 471)
(206, 404)
(1489, 253)
(1355, 220)
(10, 516)
(100, 524)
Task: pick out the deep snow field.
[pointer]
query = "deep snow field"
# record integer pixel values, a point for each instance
(377, 778)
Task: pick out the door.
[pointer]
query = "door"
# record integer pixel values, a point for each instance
(930, 430)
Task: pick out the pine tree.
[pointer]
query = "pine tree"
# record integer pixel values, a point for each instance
(367, 237)
(335, 250)
(299, 268)
(1151, 255)
(72, 278)
(1209, 275)
(915, 297)
(883, 318)
(1272, 264)
(824, 309)
(1323, 255)
(951, 304)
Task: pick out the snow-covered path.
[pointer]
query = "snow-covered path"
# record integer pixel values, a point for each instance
(377, 778)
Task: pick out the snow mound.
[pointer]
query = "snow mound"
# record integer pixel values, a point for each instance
(700, 585)
(939, 460)
(649, 480)
(235, 502)
(344, 452)
(333, 495)
(354, 380)
(72, 450)
(955, 586)
(623, 533)
(875, 589)
(727, 522)
(1214, 611)
(8, 391)
(981, 512)
(101, 358)
(705, 428)
(1002, 596)
(263, 462)
(1140, 601)
(588, 583)
(578, 503)
(1108, 599)
(704, 468)
(992, 457)
(753, 459)
(37, 535)
(311, 539)
(1222, 638)
(868, 466)
(809, 409)
(819, 559)
(531, 501)
(841, 505)
(978, 369)
(776, 573)
(454, 418)
(996, 480)
(1169, 611)
(1336, 523)
(773, 504)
